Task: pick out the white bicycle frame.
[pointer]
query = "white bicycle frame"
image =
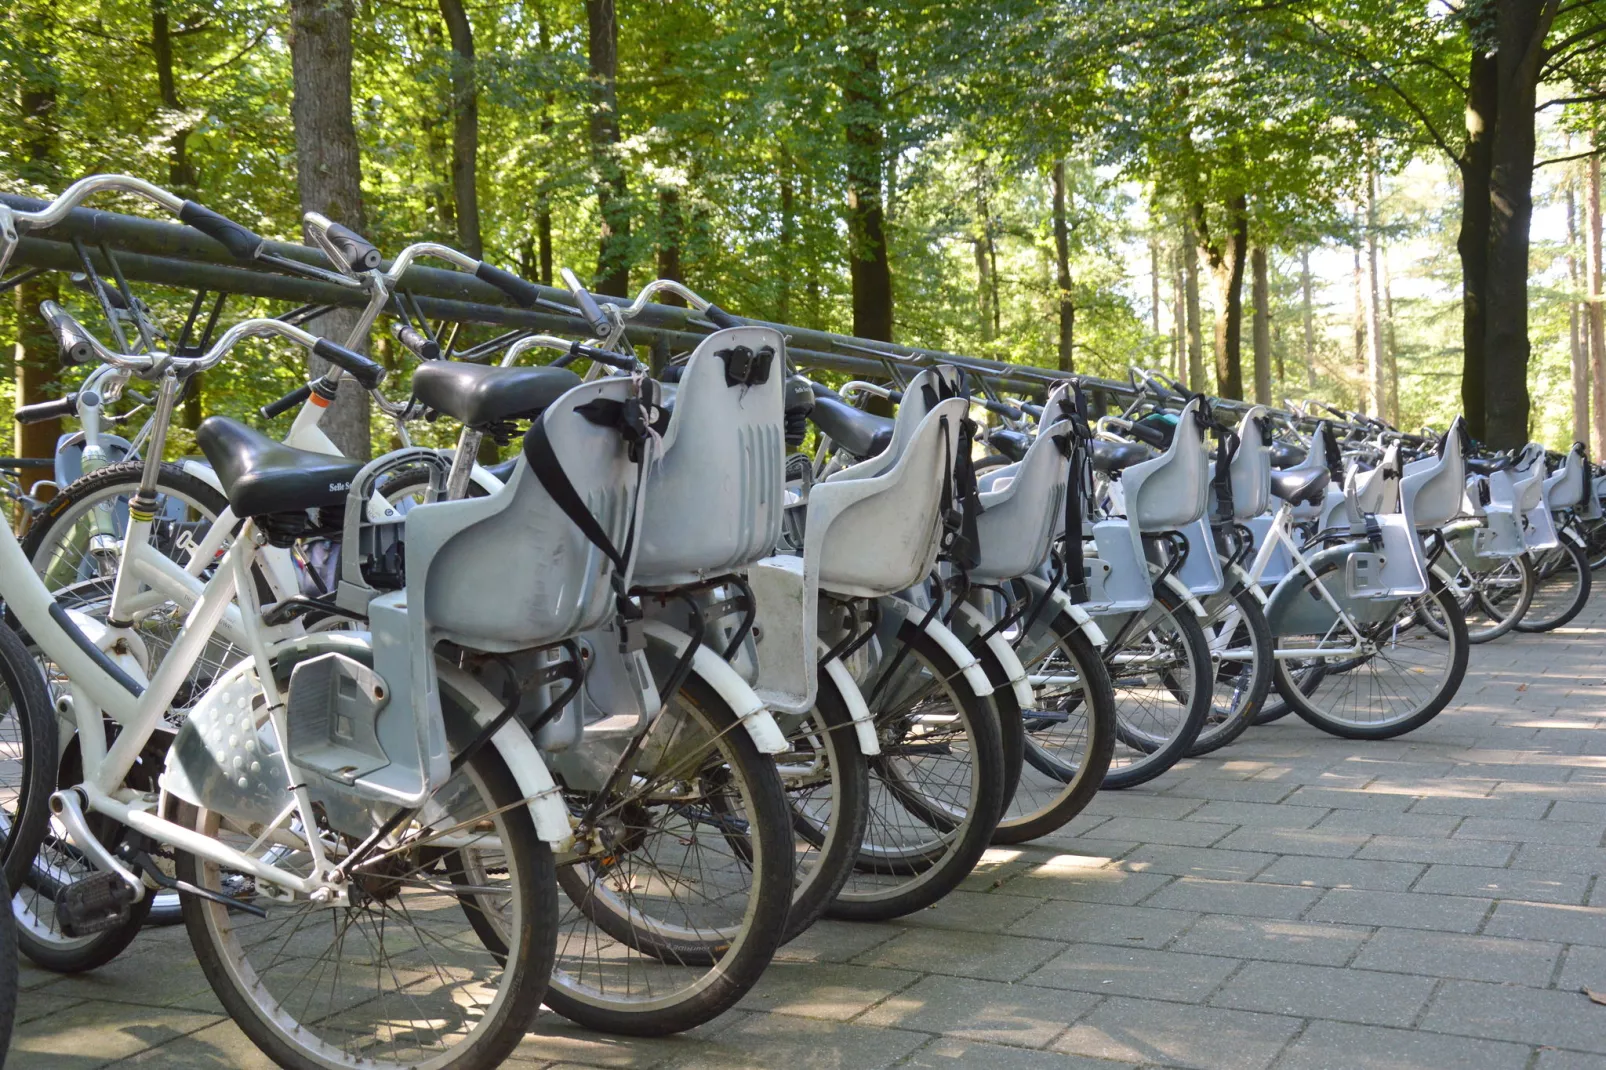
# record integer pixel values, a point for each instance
(1281, 534)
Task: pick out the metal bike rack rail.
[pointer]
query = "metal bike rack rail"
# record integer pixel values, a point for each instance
(172, 254)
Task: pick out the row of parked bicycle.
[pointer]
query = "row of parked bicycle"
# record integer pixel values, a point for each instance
(416, 744)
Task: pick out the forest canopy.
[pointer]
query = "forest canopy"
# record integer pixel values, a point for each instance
(1393, 206)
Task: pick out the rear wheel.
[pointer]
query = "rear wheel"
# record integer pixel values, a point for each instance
(1563, 584)
(1493, 600)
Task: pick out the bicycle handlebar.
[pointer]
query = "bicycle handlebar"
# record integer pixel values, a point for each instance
(240, 241)
(41, 411)
(416, 341)
(589, 311)
(286, 403)
(73, 342)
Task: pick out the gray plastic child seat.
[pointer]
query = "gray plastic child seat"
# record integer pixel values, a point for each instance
(1565, 488)
(715, 497)
(1023, 505)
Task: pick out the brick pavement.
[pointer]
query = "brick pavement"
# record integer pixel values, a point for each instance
(1294, 902)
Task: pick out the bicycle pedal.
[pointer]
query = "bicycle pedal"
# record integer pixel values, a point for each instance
(94, 905)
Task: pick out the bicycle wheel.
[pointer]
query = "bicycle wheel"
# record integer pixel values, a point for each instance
(678, 890)
(1240, 643)
(1492, 600)
(400, 976)
(1159, 662)
(1404, 677)
(28, 745)
(8, 974)
(827, 785)
(1563, 582)
(936, 788)
(1069, 733)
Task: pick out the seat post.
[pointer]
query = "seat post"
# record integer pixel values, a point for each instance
(463, 461)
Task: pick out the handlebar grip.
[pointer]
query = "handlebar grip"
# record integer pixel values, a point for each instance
(358, 366)
(47, 410)
(286, 403)
(1033, 410)
(72, 340)
(998, 408)
(242, 243)
(720, 318)
(1152, 435)
(358, 250)
(621, 361)
(592, 312)
(416, 341)
(524, 294)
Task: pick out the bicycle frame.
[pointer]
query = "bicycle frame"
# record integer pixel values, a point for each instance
(1281, 533)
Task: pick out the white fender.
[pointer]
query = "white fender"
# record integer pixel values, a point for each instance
(736, 692)
(1083, 619)
(853, 698)
(1174, 583)
(512, 741)
(974, 674)
(1241, 575)
(1008, 660)
(202, 471)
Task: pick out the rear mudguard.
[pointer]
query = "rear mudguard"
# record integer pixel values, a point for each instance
(1175, 585)
(736, 692)
(1292, 609)
(853, 698)
(939, 633)
(970, 623)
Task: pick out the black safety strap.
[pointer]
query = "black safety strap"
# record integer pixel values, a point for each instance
(1079, 456)
(1227, 443)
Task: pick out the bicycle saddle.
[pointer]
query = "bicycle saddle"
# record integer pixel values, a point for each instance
(1300, 486)
(1286, 455)
(861, 433)
(261, 475)
(1483, 466)
(1114, 456)
(1012, 444)
(483, 394)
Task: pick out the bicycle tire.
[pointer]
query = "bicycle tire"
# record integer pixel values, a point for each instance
(1568, 558)
(1239, 693)
(1134, 699)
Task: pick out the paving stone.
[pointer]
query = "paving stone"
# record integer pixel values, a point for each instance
(816, 990)
(1408, 910)
(1135, 971)
(1234, 897)
(1549, 921)
(1297, 841)
(1569, 833)
(836, 941)
(1320, 943)
(946, 1053)
(93, 1033)
(1087, 884)
(1260, 815)
(1354, 798)
(1567, 810)
(976, 912)
(1306, 991)
(223, 1046)
(1518, 808)
(1583, 967)
(1022, 1015)
(1213, 863)
(802, 1044)
(1155, 830)
(1141, 803)
(556, 1038)
(1521, 1015)
(1556, 858)
(1470, 958)
(1149, 1031)
(1101, 924)
(986, 956)
(1230, 790)
(1495, 883)
(1313, 872)
(1452, 851)
(1325, 1045)
(1411, 823)
(1553, 1059)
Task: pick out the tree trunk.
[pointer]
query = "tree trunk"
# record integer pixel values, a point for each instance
(1308, 307)
(1594, 315)
(1062, 272)
(465, 127)
(1262, 326)
(984, 288)
(1358, 327)
(1190, 279)
(34, 367)
(1179, 316)
(869, 264)
(543, 197)
(1483, 105)
(789, 251)
(180, 172)
(613, 191)
(1577, 322)
(669, 238)
(1227, 262)
(813, 288)
(1377, 391)
(1154, 283)
(1522, 26)
(1391, 369)
(329, 175)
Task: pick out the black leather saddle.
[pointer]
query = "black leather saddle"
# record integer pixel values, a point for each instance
(1300, 485)
(482, 395)
(261, 475)
(1012, 444)
(860, 433)
(1286, 455)
(1114, 456)
(1483, 466)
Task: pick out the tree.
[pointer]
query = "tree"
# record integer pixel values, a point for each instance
(1262, 326)
(1062, 273)
(465, 128)
(869, 264)
(613, 190)
(329, 175)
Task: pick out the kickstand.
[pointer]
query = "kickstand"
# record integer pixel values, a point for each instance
(150, 869)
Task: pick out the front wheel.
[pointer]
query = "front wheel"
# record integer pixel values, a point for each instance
(1241, 653)
(1564, 582)
(1403, 678)
(1159, 663)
